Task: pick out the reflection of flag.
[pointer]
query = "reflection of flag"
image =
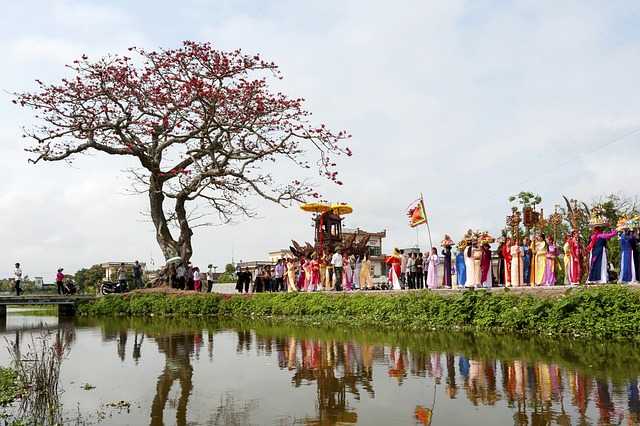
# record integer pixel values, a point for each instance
(423, 415)
(416, 213)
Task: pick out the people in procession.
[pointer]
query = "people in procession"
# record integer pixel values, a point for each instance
(540, 256)
(627, 263)
(395, 266)
(597, 248)
(526, 261)
(366, 281)
(446, 244)
(550, 264)
(477, 264)
(432, 270)
(486, 279)
(517, 264)
(461, 270)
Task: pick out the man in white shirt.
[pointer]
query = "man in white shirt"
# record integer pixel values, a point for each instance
(18, 279)
(336, 262)
(403, 268)
(410, 266)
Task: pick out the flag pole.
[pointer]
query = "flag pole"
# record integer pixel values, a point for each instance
(426, 222)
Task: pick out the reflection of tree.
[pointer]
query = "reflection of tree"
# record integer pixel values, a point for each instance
(177, 349)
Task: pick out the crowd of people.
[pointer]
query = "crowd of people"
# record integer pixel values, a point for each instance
(519, 262)
(473, 263)
(185, 276)
(340, 271)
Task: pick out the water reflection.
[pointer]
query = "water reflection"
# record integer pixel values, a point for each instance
(533, 381)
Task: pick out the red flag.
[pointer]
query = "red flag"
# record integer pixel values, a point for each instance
(416, 213)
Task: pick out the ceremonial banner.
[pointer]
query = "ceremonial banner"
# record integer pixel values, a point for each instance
(416, 213)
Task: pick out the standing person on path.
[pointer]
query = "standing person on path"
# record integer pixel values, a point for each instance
(278, 275)
(411, 271)
(627, 265)
(516, 264)
(447, 242)
(122, 276)
(526, 261)
(197, 283)
(432, 274)
(419, 279)
(356, 273)
(597, 249)
(366, 282)
(291, 276)
(403, 269)
(17, 279)
(137, 275)
(540, 248)
(485, 267)
(461, 270)
(210, 278)
(337, 263)
(189, 277)
(60, 281)
(180, 276)
(550, 264)
(394, 261)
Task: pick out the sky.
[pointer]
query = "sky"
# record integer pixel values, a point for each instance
(466, 102)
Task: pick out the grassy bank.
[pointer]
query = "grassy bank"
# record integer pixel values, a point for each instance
(611, 311)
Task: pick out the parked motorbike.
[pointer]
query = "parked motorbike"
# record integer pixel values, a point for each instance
(108, 287)
(69, 287)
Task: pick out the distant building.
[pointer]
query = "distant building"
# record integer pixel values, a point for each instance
(374, 248)
(274, 256)
(111, 269)
(38, 282)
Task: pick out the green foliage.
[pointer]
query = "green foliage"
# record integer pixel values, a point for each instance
(526, 199)
(89, 277)
(611, 311)
(229, 274)
(9, 387)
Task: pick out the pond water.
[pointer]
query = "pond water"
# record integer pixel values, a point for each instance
(192, 372)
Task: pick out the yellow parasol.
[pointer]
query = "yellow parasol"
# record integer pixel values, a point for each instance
(341, 209)
(315, 207)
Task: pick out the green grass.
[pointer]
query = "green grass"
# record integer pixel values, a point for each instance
(605, 312)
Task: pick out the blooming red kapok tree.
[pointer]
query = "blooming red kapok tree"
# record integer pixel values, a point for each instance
(202, 123)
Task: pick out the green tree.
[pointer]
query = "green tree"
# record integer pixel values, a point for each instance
(89, 277)
(229, 274)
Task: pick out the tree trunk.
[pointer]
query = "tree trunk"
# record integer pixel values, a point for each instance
(184, 242)
(167, 243)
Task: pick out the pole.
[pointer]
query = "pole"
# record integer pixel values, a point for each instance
(426, 222)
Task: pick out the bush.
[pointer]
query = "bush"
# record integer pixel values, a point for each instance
(611, 311)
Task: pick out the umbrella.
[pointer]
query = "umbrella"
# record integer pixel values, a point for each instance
(176, 259)
(342, 208)
(315, 207)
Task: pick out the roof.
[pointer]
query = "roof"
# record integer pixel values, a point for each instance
(381, 234)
